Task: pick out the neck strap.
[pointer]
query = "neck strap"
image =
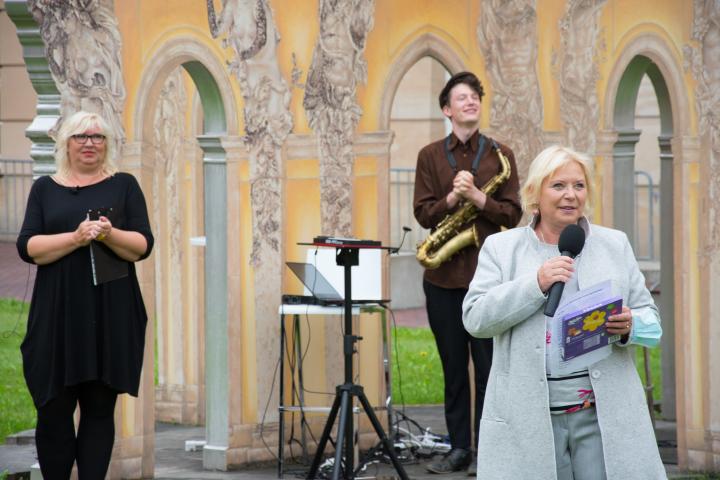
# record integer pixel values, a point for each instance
(476, 161)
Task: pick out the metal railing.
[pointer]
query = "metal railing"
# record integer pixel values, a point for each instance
(402, 187)
(15, 183)
(647, 201)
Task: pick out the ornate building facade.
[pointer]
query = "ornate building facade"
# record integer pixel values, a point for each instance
(253, 125)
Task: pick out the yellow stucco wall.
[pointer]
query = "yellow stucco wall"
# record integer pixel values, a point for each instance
(669, 21)
(147, 27)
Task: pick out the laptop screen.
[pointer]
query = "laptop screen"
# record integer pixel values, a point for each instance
(314, 281)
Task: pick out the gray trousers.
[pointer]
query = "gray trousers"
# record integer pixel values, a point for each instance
(578, 446)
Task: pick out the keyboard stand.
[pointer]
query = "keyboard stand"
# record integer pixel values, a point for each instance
(296, 310)
(348, 256)
(290, 346)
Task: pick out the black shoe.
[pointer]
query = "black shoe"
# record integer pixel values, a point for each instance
(455, 460)
(472, 468)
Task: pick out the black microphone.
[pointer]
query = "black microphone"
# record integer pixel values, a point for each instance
(405, 232)
(571, 243)
(74, 190)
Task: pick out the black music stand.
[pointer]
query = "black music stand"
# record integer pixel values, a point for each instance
(348, 256)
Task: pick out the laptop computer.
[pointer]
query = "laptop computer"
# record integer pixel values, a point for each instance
(323, 293)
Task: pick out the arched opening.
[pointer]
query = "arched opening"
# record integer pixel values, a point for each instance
(409, 100)
(177, 214)
(647, 178)
(416, 120)
(409, 109)
(174, 144)
(183, 112)
(643, 197)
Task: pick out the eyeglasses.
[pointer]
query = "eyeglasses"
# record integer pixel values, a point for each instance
(95, 138)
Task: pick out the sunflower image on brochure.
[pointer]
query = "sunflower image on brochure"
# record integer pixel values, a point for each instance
(583, 330)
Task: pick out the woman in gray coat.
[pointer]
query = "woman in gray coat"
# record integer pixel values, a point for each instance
(592, 423)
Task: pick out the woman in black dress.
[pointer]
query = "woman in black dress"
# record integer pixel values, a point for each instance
(86, 334)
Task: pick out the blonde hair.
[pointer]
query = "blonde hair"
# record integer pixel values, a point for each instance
(80, 122)
(545, 164)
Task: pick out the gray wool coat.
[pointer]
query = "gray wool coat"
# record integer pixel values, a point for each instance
(504, 301)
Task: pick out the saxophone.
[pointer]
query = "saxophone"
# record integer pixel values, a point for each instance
(446, 240)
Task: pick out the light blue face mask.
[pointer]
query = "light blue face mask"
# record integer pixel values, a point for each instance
(646, 329)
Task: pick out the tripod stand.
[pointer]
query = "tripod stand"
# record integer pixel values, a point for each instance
(348, 257)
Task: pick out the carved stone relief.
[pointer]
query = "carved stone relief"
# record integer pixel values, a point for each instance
(575, 67)
(507, 35)
(704, 62)
(82, 46)
(250, 31)
(168, 135)
(333, 112)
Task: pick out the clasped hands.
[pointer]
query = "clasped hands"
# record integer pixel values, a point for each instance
(464, 187)
(560, 269)
(89, 230)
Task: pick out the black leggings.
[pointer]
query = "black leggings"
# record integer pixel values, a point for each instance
(58, 446)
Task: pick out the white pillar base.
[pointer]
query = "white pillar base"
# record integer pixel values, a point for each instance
(215, 458)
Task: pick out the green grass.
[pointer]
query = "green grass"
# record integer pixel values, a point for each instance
(420, 377)
(16, 408)
(421, 380)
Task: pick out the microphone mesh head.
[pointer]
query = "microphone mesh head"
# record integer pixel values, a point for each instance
(572, 239)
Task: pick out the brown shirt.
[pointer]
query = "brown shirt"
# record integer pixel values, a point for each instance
(434, 180)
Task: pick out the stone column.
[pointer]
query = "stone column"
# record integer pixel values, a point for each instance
(216, 325)
(134, 451)
(624, 182)
(48, 96)
(704, 451)
(240, 328)
(667, 283)
(690, 359)
(699, 437)
(604, 146)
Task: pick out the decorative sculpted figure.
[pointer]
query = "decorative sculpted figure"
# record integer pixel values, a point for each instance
(82, 46)
(577, 72)
(250, 31)
(705, 65)
(507, 35)
(332, 110)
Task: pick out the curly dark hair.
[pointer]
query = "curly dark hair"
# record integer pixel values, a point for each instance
(468, 78)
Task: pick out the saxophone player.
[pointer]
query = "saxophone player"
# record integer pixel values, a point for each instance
(450, 172)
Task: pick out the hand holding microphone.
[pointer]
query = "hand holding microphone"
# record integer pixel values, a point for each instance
(557, 269)
(571, 243)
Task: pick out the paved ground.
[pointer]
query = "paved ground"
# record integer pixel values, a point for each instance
(16, 276)
(173, 462)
